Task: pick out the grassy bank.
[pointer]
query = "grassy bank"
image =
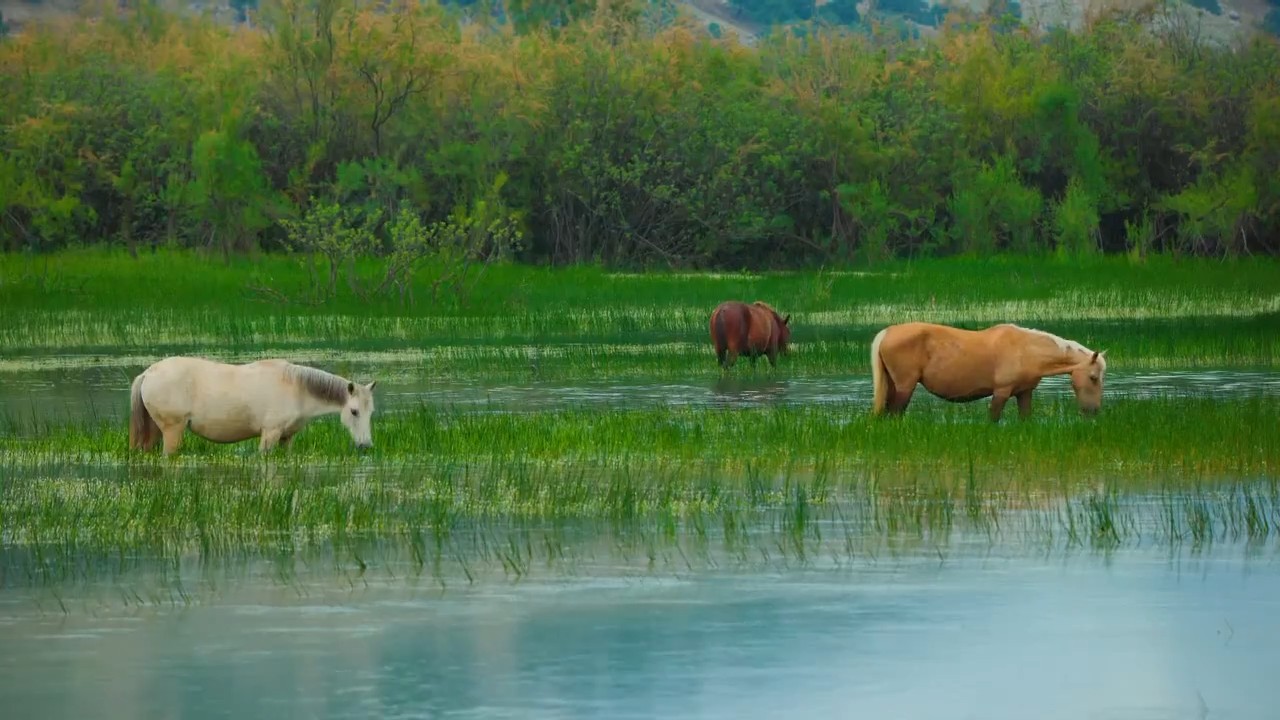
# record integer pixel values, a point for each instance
(589, 322)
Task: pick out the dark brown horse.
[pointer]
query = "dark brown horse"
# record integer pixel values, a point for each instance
(751, 330)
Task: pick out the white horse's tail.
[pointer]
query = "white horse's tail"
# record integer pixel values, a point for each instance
(143, 430)
(879, 387)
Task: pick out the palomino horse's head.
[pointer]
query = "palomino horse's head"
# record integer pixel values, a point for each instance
(357, 413)
(1087, 379)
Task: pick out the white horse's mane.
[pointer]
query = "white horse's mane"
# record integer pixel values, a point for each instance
(1065, 344)
(322, 385)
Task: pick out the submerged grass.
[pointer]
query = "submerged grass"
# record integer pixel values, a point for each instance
(434, 469)
(60, 529)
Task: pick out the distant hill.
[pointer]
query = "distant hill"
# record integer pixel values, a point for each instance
(1216, 20)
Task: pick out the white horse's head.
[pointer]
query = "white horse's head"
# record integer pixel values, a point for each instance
(1087, 379)
(358, 412)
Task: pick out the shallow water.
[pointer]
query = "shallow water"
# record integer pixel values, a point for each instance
(87, 392)
(1138, 633)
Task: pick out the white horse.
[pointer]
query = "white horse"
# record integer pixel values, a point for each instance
(224, 403)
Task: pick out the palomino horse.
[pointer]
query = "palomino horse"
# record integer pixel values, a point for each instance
(751, 330)
(999, 362)
(270, 399)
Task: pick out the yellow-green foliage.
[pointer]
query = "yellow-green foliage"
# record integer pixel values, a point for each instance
(628, 141)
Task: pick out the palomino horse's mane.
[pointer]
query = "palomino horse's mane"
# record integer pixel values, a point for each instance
(1065, 344)
(322, 385)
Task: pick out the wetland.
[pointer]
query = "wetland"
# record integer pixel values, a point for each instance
(570, 511)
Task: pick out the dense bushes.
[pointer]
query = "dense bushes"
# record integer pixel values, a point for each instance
(609, 138)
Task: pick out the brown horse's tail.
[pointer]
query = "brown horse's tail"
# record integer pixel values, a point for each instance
(717, 330)
(880, 388)
(143, 429)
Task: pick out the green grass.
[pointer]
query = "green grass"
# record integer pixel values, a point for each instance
(184, 281)
(626, 464)
(586, 322)
(1142, 436)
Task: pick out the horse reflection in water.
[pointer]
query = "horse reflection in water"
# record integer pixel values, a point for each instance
(734, 391)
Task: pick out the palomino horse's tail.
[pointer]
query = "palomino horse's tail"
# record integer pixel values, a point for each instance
(143, 430)
(880, 387)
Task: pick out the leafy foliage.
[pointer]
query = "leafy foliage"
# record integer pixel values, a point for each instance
(609, 132)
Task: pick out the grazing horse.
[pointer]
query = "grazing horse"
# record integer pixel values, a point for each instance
(270, 399)
(751, 330)
(999, 362)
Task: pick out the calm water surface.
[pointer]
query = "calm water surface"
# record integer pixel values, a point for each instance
(1139, 634)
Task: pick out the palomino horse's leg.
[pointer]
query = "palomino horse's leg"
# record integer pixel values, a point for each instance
(900, 390)
(901, 399)
(998, 399)
(1024, 404)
